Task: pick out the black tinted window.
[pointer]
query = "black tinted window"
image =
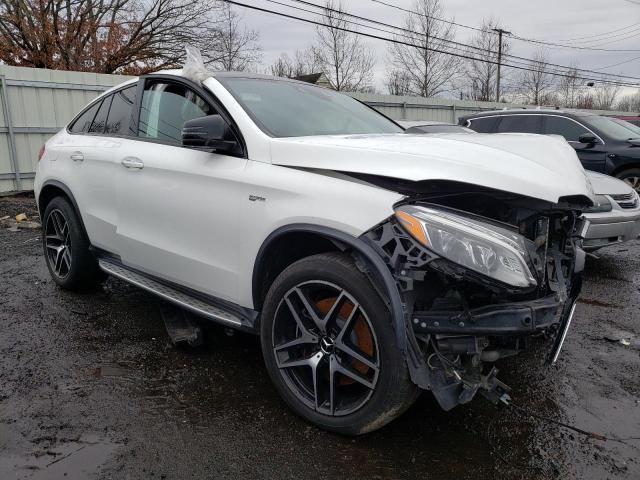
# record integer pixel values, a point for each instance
(97, 126)
(120, 112)
(569, 129)
(83, 122)
(483, 125)
(520, 124)
(165, 109)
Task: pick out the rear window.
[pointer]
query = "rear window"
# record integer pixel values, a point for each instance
(483, 125)
(83, 122)
(120, 114)
(97, 126)
(520, 124)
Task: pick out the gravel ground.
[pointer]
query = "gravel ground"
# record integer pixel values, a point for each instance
(90, 387)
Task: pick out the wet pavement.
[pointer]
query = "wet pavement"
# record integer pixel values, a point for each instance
(90, 387)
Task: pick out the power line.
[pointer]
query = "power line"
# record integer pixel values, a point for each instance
(515, 37)
(603, 34)
(465, 47)
(437, 50)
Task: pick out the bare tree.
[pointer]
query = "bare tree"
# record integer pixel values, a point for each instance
(398, 82)
(536, 83)
(431, 71)
(106, 36)
(569, 88)
(586, 101)
(482, 71)
(604, 96)
(234, 47)
(345, 60)
(304, 62)
(629, 103)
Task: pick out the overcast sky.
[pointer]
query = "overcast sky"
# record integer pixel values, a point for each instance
(549, 20)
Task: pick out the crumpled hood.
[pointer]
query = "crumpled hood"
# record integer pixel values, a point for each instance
(606, 185)
(537, 166)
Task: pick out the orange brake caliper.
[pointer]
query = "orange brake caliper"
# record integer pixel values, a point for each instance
(363, 339)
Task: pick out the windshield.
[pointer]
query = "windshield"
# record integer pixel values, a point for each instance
(609, 128)
(629, 126)
(291, 109)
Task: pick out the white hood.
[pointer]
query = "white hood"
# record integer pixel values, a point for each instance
(537, 166)
(606, 185)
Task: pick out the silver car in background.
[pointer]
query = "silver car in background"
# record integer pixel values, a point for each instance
(616, 217)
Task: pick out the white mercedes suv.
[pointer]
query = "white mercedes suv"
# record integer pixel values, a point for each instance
(373, 264)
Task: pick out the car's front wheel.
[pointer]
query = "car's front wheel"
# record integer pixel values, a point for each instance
(330, 349)
(632, 177)
(66, 247)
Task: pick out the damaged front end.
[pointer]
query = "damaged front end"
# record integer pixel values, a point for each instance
(479, 282)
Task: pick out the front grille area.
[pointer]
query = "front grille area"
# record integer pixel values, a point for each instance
(628, 200)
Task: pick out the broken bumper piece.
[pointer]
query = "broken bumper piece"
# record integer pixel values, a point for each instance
(519, 318)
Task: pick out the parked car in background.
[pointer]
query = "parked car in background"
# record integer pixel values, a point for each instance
(428, 126)
(603, 144)
(615, 218)
(373, 264)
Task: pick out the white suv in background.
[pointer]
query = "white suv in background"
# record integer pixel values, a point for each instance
(372, 263)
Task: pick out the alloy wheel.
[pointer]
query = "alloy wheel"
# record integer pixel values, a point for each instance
(58, 243)
(325, 348)
(634, 182)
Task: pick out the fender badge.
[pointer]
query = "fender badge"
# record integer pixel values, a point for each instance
(256, 198)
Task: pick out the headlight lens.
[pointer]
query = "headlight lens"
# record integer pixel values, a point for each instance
(601, 204)
(487, 249)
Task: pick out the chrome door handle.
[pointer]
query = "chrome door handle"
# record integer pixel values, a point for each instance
(77, 156)
(132, 162)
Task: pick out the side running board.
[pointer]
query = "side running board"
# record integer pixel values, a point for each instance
(195, 305)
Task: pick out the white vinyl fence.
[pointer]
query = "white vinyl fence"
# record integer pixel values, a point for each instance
(36, 103)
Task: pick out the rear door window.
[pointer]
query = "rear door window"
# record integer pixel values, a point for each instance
(520, 124)
(119, 117)
(97, 126)
(83, 122)
(483, 125)
(565, 127)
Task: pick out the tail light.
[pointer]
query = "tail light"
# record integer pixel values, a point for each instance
(41, 153)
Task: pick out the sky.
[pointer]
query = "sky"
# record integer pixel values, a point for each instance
(548, 20)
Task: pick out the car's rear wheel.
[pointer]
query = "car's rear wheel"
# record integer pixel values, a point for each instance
(66, 247)
(632, 177)
(330, 348)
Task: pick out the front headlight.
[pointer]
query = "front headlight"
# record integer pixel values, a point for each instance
(601, 204)
(484, 248)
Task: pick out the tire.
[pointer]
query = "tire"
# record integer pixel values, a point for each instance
(357, 349)
(66, 248)
(632, 177)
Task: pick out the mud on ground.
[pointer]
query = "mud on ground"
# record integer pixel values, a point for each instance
(90, 387)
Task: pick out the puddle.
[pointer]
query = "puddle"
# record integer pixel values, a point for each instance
(63, 460)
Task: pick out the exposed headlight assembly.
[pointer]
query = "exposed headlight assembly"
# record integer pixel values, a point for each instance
(484, 248)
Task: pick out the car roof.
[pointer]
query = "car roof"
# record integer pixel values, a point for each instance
(222, 75)
(424, 123)
(529, 111)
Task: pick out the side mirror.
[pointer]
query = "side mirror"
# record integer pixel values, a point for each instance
(208, 134)
(588, 138)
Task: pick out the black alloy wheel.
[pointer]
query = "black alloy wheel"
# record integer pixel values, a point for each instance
(330, 348)
(66, 247)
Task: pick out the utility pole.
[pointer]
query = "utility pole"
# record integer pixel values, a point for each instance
(500, 32)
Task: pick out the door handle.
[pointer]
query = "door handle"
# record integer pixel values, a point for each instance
(77, 157)
(132, 162)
